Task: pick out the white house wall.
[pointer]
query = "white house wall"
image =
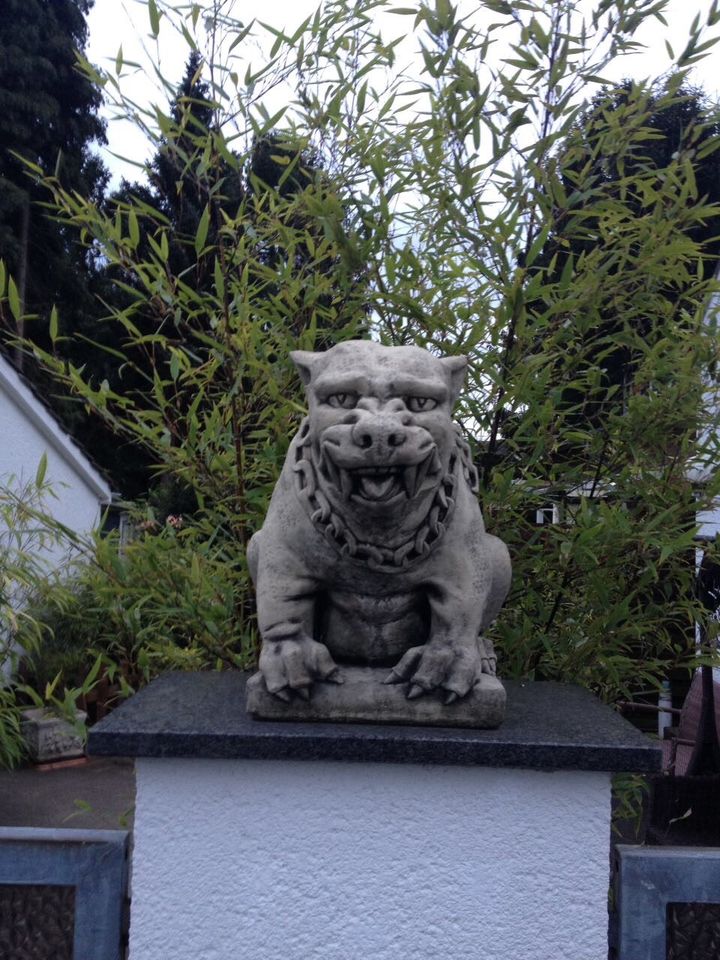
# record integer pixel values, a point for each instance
(79, 492)
(709, 522)
(75, 503)
(27, 431)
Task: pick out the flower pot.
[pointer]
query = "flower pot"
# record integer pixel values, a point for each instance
(49, 737)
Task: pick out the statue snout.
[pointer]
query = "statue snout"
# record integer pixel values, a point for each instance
(379, 434)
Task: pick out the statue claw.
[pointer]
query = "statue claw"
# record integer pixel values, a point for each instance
(415, 691)
(450, 697)
(303, 693)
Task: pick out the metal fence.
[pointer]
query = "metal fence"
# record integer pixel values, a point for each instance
(662, 893)
(62, 894)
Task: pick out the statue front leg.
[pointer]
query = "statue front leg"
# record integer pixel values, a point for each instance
(290, 658)
(452, 659)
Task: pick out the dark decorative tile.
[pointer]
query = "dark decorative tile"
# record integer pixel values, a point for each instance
(37, 921)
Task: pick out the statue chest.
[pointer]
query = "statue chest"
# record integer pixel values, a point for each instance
(373, 629)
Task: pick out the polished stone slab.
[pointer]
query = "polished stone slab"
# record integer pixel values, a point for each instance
(547, 726)
(363, 696)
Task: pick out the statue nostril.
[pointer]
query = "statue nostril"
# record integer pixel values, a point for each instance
(396, 439)
(365, 440)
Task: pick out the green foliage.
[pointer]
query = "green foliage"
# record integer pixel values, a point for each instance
(457, 206)
(675, 132)
(167, 599)
(630, 792)
(28, 538)
(12, 748)
(199, 194)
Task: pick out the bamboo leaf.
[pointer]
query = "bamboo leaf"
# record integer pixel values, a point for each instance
(202, 230)
(133, 227)
(41, 471)
(14, 300)
(53, 323)
(154, 17)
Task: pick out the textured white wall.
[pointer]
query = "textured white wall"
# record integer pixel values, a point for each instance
(21, 446)
(27, 431)
(708, 522)
(271, 860)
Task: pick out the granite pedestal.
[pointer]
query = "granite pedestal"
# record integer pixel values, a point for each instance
(263, 840)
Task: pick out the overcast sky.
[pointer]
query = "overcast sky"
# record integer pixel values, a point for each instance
(115, 23)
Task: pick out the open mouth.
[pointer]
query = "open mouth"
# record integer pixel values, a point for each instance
(377, 484)
(380, 484)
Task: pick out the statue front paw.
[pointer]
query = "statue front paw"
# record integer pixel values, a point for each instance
(454, 669)
(293, 664)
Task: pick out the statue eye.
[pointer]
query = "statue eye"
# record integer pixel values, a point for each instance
(345, 400)
(420, 404)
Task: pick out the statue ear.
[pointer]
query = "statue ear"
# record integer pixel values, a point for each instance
(304, 360)
(455, 369)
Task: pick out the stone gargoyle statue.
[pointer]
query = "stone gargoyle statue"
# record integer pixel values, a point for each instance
(375, 577)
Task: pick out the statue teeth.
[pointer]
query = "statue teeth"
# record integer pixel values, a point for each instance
(410, 480)
(423, 470)
(414, 476)
(332, 469)
(345, 483)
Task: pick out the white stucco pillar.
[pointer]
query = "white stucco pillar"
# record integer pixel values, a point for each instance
(260, 860)
(277, 841)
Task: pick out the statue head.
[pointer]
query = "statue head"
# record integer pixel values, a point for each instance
(380, 426)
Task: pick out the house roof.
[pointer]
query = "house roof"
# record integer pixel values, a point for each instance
(21, 394)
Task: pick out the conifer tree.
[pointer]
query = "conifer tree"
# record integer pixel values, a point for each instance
(49, 117)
